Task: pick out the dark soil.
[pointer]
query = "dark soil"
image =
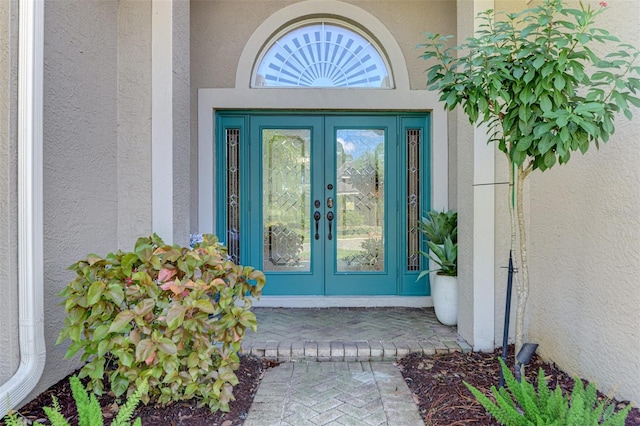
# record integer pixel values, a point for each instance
(185, 413)
(436, 382)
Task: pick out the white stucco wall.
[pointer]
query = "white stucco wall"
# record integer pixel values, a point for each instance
(181, 122)
(9, 359)
(584, 249)
(80, 151)
(134, 121)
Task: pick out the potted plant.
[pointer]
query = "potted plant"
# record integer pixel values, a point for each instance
(441, 229)
(436, 226)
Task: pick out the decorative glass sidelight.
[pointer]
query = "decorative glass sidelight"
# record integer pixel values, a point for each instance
(233, 194)
(413, 199)
(360, 209)
(285, 196)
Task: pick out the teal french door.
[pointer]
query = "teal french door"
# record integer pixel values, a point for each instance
(324, 204)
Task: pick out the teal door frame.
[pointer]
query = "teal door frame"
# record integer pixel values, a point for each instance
(398, 276)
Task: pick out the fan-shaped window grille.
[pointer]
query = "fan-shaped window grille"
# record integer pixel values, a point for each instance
(322, 54)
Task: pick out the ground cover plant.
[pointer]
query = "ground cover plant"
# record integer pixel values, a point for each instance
(163, 315)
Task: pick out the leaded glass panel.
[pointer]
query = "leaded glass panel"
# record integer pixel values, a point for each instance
(360, 200)
(413, 199)
(286, 192)
(233, 194)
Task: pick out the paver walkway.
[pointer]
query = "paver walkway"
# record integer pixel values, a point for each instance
(349, 334)
(333, 393)
(338, 364)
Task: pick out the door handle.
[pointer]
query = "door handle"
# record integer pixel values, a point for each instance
(330, 219)
(317, 217)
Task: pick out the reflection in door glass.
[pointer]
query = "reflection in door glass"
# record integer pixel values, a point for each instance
(360, 200)
(286, 193)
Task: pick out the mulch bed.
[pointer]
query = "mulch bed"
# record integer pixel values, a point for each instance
(436, 382)
(185, 413)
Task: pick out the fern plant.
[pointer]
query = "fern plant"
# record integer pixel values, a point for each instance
(521, 405)
(88, 408)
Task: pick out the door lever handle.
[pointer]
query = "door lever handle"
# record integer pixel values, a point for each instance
(330, 219)
(317, 217)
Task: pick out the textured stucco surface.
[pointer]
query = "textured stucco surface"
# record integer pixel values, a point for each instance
(80, 151)
(9, 359)
(134, 121)
(181, 123)
(464, 204)
(584, 250)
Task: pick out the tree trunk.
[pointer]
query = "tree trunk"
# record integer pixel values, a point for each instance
(523, 285)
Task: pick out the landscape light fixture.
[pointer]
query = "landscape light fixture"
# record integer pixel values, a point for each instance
(524, 357)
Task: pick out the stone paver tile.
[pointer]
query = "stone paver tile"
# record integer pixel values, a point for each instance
(452, 345)
(297, 420)
(376, 350)
(297, 350)
(355, 367)
(355, 412)
(328, 404)
(341, 366)
(310, 349)
(414, 346)
(441, 348)
(299, 410)
(464, 346)
(257, 348)
(337, 351)
(427, 347)
(374, 404)
(347, 420)
(284, 350)
(324, 351)
(402, 349)
(271, 350)
(324, 418)
(389, 350)
(364, 350)
(378, 418)
(350, 351)
(352, 400)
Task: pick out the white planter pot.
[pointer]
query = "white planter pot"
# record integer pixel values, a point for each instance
(444, 290)
(433, 266)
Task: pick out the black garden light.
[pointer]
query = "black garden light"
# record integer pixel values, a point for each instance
(524, 357)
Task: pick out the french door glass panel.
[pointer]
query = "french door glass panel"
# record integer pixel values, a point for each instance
(286, 191)
(360, 203)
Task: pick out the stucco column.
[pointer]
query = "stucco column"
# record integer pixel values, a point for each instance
(476, 208)
(170, 123)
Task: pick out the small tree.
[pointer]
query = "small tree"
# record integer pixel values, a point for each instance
(538, 81)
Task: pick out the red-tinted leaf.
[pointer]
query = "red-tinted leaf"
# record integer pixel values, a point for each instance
(175, 316)
(122, 319)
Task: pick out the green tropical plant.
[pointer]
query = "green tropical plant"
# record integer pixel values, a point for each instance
(161, 314)
(87, 407)
(436, 226)
(535, 78)
(445, 255)
(522, 405)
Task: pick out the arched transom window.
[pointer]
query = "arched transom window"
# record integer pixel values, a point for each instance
(323, 53)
